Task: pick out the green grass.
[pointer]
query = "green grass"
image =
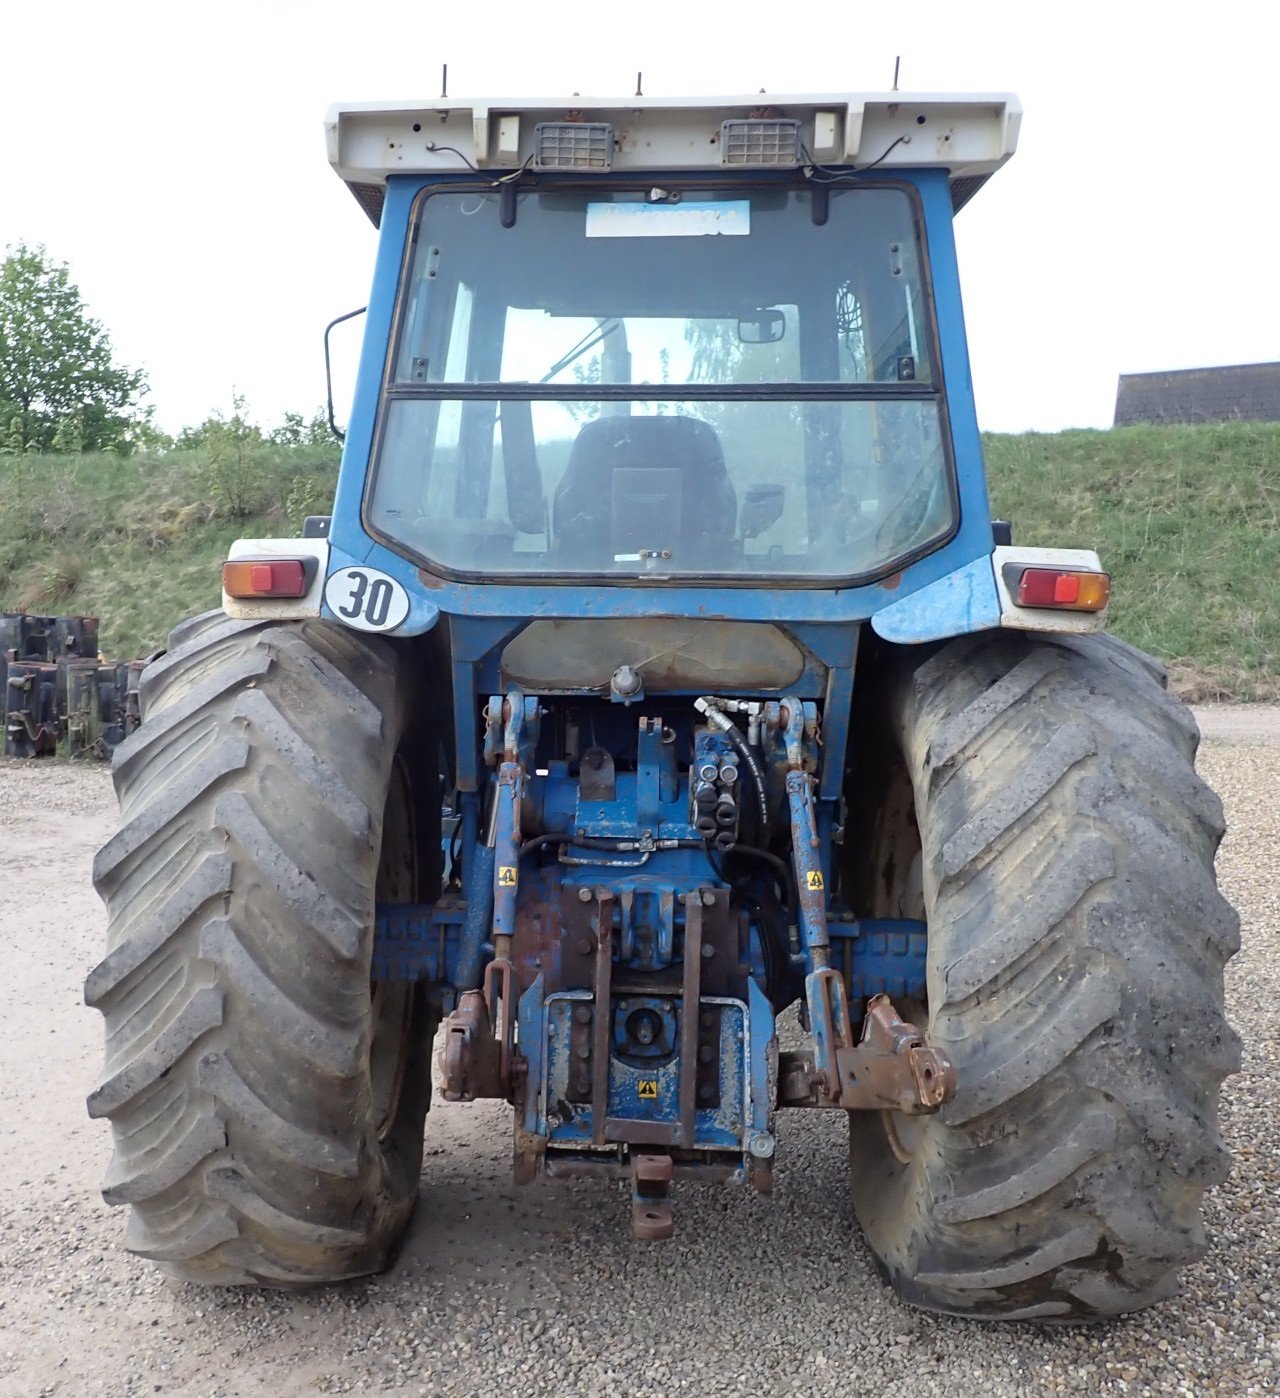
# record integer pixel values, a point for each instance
(1187, 520)
(137, 541)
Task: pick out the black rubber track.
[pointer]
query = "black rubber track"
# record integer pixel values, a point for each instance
(1076, 947)
(239, 893)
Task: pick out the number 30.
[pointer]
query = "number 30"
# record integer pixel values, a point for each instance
(366, 599)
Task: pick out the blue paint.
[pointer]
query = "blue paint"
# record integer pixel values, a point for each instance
(955, 605)
(479, 918)
(506, 849)
(418, 941)
(531, 1042)
(882, 955)
(762, 1047)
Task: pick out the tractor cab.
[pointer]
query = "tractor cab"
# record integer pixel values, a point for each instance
(677, 343)
(730, 381)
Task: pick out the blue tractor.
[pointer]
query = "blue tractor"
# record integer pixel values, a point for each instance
(661, 734)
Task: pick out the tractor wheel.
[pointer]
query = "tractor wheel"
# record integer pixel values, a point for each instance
(1064, 863)
(266, 1101)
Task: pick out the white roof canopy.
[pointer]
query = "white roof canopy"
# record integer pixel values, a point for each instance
(970, 136)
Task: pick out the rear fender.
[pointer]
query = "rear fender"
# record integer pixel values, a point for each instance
(976, 598)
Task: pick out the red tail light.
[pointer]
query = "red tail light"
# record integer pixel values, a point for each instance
(266, 577)
(1068, 589)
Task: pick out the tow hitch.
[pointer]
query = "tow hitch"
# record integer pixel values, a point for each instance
(891, 1068)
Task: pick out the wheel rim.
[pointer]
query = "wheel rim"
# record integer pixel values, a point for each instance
(904, 1134)
(392, 1002)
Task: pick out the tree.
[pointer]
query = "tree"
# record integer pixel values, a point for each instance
(56, 362)
(297, 431)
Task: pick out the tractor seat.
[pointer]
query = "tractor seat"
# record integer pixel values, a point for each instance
(636, 484)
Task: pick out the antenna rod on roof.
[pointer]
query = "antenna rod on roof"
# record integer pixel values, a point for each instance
(444, 81)
(897, 63)
(638, 84)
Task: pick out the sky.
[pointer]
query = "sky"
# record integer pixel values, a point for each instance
(174, 156)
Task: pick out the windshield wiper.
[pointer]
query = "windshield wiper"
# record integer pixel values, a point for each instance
(589, 341)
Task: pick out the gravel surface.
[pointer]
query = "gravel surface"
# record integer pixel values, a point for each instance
(542, 1290)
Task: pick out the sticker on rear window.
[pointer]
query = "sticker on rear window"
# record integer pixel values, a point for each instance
(695, 219)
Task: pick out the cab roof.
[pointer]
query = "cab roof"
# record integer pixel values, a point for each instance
(968, 135)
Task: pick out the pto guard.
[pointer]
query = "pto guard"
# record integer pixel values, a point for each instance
(975, 598)
(279, 608)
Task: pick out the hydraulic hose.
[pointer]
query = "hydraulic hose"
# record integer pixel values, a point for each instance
(707, 706)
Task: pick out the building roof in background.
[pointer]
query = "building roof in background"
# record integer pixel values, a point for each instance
(1227, 393)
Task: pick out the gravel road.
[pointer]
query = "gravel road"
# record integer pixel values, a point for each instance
(542, 1290)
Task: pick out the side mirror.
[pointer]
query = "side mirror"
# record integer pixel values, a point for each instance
(762, 327)
(762, 509)
(339, 433)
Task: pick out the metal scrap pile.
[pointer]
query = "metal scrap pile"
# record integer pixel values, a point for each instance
(59, 694)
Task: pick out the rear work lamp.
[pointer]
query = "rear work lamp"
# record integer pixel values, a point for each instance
(753, 142)
(1068, 589)
(267, 577)
(573, 145)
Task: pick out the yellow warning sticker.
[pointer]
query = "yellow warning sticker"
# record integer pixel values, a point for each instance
(813, 881)
(648, 1088)
(506, 876)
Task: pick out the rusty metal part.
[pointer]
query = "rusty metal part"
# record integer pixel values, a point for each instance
(600, 1055)
(569, 961)
(633, 1131)
(698, 1168)
(581, 1039)
(470, 1061)
(528, 1148)
(568, 956)
(651, 1219)
(891, 1068)
(690, 1003)
(799, 1082)
(760, 1174)
(536, 947)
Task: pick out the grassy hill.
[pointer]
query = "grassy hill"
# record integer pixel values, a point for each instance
(137, 540)
(1187, 519)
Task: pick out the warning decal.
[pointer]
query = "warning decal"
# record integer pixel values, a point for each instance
(648, 1088)
(813, 881)
(506, 876)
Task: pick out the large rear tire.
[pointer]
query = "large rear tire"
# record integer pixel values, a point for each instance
(266, 1101)
(1076, 947)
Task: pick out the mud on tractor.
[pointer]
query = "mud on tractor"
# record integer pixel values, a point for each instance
(662, 727)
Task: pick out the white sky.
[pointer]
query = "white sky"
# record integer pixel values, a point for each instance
(173, 154)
